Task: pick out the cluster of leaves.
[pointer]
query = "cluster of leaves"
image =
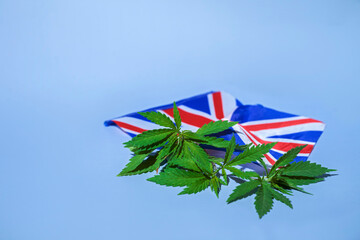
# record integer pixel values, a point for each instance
(185, 163)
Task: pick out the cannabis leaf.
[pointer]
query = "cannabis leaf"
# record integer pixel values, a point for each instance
(244, 190)
(264, 199)
(159, 118)
(196, 187)
(149, 137)
(177, 117)
(281, 198)
(229, 150)
(222, 143)
(215, 127)
(305, 169)
(175, 177)
(251, 154)
(286, 158)
(215, 185)
(298, 181)
(134, 162)
(186, 160)
(200, 156)
(151, 163)
(242, 174)
(169, 147)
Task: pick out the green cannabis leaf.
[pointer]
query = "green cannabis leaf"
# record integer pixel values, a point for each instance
(264, 199)
(244, 190)
(158, 118)
(184, 162)
(176, 177)
(176, 117)
(214, 127)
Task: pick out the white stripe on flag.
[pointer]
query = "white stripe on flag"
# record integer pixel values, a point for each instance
(228, 103)
(138, 123)
(289, 130)
(277, 120)
(197, 112)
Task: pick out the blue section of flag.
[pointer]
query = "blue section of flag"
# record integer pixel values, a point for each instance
(131, 134)
(109, 123)
(247, 113)
(278, 155)
(199, 103)
(311, 136)
(275, 154)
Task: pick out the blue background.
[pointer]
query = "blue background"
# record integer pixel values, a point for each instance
(66, 66)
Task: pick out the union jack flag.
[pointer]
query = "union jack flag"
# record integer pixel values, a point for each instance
(257, 124)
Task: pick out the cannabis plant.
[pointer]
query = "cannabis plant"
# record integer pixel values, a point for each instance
(184, 162)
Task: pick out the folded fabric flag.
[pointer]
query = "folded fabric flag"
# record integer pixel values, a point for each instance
(257, 124)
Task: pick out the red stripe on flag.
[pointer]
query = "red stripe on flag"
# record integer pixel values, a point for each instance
(285, 146)
(190, 118)
(218, 105)
(129, 127)
(271, 161)
(265, 126)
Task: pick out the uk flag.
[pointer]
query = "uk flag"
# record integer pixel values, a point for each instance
(256, 124)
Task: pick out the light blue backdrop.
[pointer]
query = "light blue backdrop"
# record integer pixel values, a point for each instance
(66, 66)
